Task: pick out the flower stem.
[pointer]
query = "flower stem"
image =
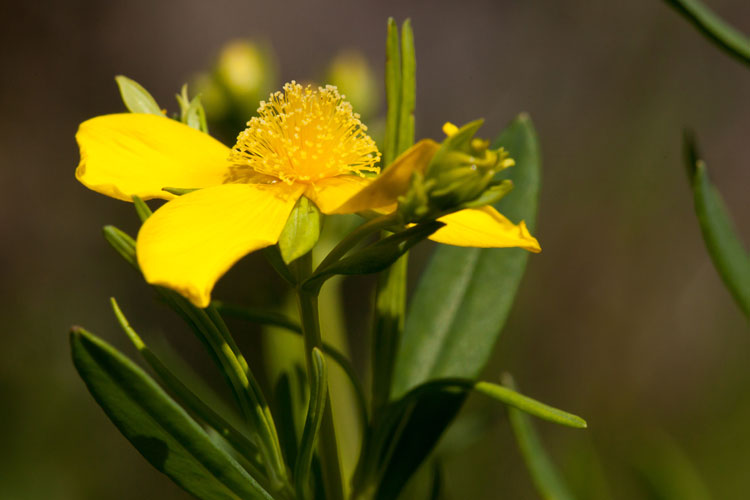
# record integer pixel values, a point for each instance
(307, 303)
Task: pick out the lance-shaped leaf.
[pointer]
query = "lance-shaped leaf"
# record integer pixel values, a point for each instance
(543, 472)
(724, 246)
(157, 426)
(136, 98)
(404, 422)
(315, 409)
(458, 311)
(187, 397)
(714, 28)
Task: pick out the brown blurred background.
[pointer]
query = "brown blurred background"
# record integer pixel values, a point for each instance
(621, 319)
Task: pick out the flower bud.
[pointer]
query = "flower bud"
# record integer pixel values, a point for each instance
(460, 175)
(247, 72)
(352, 74)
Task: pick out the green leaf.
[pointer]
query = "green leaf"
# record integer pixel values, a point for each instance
(465, 294)
(141, 209)
(408, 89)
(547, 480)
(191, 110)
(301, 231)
(237, 439)
(392, 92)
(315, 409)
(714, 28)
(122, 243)
(136, 98)
(157, 426)
(179, 191)
(457, 312)
(724, 246)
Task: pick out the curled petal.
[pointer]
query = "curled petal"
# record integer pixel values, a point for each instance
(191, 241)
(485, 228)
(393, 182)
(138, 154)
(329, 194)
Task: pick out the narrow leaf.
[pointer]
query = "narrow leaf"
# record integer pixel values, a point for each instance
(408, 89)
(724, 246)
(315, 409)
(122, 243)
(714, 28)
(141, 209)
(157, 426)
(543, 472)
(136, 98)
(392, 92)
(237, 439)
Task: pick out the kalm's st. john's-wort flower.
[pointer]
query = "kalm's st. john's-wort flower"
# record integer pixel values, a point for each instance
(304, 142)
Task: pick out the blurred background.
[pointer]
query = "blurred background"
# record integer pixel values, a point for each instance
(622, 319)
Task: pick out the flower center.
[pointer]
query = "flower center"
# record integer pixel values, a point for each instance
(303, 135)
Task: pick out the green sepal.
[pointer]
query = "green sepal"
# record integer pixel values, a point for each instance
(376, 257)
(136, 98)
(724, 246)
(315, 410)
(544, 474)
(301, 232)
(157, 426)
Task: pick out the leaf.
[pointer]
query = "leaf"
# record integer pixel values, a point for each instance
(141, 208)
(157, 426)
(122, 243)
(315, 409)
(546, 478)
(465, 294)
(136, 98)
(392, 92)
(457, 312)
(301, 232)
(724, 246)
(714, 28)
(237, 439)
(408, 89)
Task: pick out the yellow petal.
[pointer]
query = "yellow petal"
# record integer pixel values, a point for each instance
(191, 241)
(485, 228)
(329, 194)
(138, 154)
(393, 182)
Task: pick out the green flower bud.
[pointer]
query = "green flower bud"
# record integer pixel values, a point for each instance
(352, 74)
(247, 72)
(460, 175)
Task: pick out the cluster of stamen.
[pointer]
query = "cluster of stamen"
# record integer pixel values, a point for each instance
(303, 135)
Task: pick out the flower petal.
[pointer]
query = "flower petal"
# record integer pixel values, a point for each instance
(485, 228)
(329, 194)
(393, 182)
(138, 154)
(190, 242)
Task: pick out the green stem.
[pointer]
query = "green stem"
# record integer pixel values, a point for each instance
(361, 232)
(307, 303)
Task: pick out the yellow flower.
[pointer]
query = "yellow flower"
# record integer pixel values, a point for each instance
(304, 141)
